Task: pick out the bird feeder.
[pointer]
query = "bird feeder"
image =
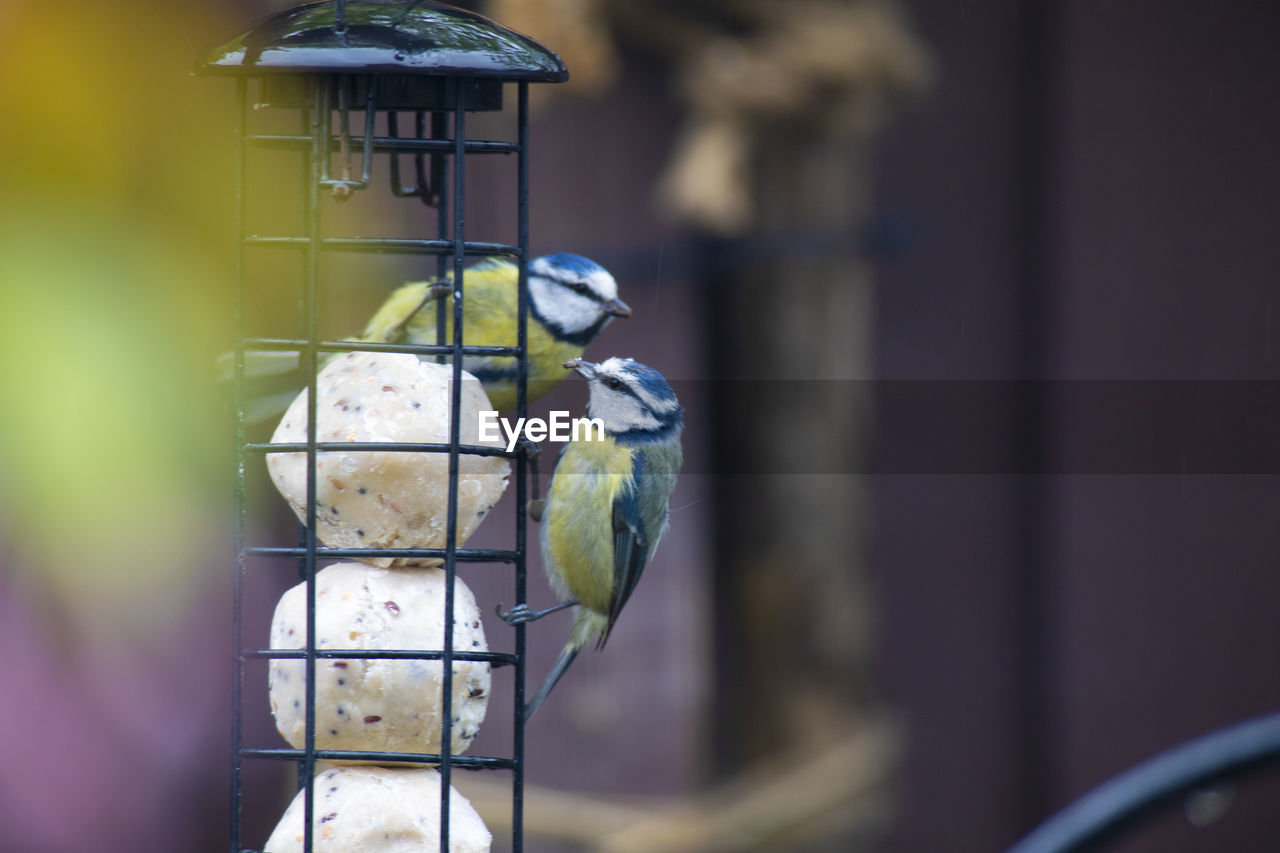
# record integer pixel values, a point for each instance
(379, 94)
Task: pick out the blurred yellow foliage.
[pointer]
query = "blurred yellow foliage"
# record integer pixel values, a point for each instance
(116, 250)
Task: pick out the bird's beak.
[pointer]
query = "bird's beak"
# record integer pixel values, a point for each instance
(617, 308)
(585, 368)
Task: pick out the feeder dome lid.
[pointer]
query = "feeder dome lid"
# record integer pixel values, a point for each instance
(394, 36)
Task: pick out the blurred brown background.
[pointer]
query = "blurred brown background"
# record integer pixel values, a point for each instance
(852, 639)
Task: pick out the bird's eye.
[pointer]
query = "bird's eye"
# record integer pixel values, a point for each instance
(613, 382)
(580, 287)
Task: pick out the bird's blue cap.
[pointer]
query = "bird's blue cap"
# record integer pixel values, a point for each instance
(651, 380)
(575, 264)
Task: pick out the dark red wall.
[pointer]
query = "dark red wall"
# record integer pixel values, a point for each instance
(1092, 192)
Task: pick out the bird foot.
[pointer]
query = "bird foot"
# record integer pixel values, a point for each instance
(522, 615)
(517, 615)
(395, 334)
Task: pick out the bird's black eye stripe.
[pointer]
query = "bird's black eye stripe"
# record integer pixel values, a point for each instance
(613, 383)
(582, 288)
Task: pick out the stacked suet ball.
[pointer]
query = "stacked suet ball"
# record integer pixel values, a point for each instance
(388, 498)
(379, 704)
(379, 810)
(382, 498)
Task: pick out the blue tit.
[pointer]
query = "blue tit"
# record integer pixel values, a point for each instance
(571, 299)
(607, 506)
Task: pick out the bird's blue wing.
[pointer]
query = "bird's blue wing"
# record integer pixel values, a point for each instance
(630, 545)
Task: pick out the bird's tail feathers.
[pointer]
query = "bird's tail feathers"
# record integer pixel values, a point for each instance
(562, 664)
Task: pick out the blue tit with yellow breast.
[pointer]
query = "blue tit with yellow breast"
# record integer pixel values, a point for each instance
(607, 507)
(571, 300)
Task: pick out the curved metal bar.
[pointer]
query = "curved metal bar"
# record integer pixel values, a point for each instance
(1127, 798)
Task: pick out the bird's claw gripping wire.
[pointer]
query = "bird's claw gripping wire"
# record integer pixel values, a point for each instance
(439, 290)
(522, 615)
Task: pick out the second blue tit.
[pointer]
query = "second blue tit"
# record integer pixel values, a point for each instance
(608, 504)
(571, 299)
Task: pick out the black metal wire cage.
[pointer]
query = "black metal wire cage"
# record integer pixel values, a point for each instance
(320, 63)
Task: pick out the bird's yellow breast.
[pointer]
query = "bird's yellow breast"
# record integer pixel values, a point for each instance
(546, 366)
(577, 530)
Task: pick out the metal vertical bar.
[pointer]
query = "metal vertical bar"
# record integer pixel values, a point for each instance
(237, 582)
(370, 117)
(522, 402)
(319, 155)
(438, 128)
(425, 192)
(1034, 625)
(420, 189)
(455, 424)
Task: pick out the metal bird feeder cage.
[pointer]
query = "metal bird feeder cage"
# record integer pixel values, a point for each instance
(339, 72)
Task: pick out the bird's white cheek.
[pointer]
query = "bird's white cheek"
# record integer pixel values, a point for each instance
(620, 412)
(566, 309)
